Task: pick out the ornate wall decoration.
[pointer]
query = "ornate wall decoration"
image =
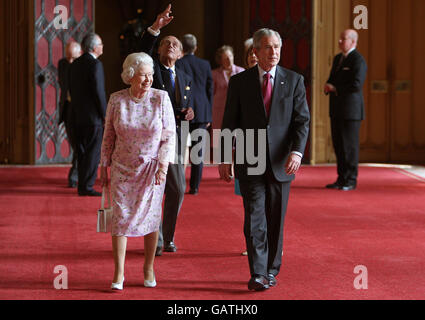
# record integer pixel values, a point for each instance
(51, 142)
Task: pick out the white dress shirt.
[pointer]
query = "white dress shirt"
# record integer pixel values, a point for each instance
(152, 32)
(261, 74)
(173, 69)
(349, 51)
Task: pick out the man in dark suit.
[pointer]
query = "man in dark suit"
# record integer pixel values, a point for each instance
(202, 91)
(178, 84)
(72, 52)
(88, 102)
(345, 87)
(270, 99)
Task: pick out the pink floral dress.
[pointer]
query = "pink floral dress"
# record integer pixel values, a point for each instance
(138, 135)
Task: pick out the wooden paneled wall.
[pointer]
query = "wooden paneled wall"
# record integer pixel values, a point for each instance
(16, 74)
(3, 54)
(393, 129)
(323, 48)
(406, 80)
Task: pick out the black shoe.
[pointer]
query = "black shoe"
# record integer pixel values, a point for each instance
(158, 251)
(72, 185)
(193, 191)
(258, 283)
(348, 187)
(169, 246)
(272, 280)
(91, 193)
(334, 185)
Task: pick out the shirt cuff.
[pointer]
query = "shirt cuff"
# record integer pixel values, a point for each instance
(298, 153)
(154, 33)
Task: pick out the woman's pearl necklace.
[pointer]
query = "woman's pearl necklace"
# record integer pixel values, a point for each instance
(134, 98)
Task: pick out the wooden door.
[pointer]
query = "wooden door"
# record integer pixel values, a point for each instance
(395, 115)
(407, 81)
(16, 137)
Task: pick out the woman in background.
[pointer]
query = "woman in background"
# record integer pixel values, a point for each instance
(250, 57)
(221, 75)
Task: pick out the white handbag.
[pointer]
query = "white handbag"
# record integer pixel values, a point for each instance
(104, 215)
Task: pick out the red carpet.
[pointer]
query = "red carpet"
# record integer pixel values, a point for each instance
(327, 233)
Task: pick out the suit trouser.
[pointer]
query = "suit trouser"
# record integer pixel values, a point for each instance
(175, 187)
(265, 201)
(73, 171)
(196, 169)
(88, 143)
(70, 132)
(345, 139)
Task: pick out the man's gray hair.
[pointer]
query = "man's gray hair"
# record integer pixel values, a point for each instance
(134, 62)
(90, 41)
(189, 43)
(265, 32)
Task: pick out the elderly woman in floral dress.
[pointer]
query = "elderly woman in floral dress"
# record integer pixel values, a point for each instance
(138, 145)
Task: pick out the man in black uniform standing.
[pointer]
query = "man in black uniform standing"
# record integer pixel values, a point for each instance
(88, 102)
(346, 109)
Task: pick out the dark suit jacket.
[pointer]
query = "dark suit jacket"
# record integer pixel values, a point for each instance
(348, 79)
(288, 124)
(87, 87)
(183, 83)
(202, 86)
(63, 76)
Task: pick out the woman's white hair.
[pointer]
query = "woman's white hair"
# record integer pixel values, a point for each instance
(132, 63)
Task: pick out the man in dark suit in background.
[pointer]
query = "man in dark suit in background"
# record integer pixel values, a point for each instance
(202, 91)
(178, 84)
(72, 52)
(88, 102)
(346, 109)
(272, 99)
